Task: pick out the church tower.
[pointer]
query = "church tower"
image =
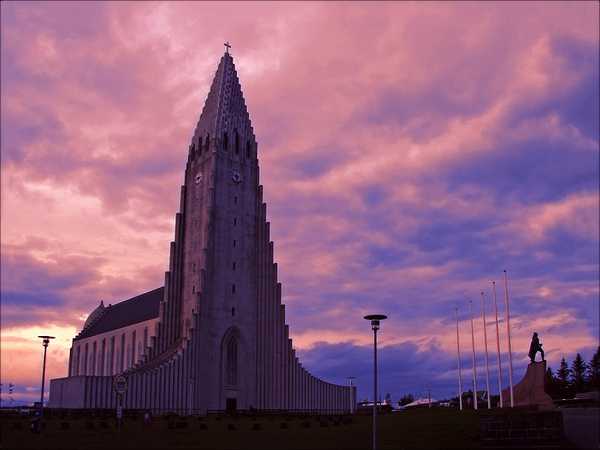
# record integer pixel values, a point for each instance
(220, 340)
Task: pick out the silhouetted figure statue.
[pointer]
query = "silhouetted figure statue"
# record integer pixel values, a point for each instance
(535, 347)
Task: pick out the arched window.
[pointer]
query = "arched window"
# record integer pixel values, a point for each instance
(237, 142)
(248, 151)
(225, 141)
(231, 361)
(199, 144)
(206, 143)
(140, 350)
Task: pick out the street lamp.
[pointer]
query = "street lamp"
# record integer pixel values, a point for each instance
(46, 341)
(375, 318)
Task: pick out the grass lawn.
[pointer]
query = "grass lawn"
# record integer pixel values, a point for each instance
(442, 428)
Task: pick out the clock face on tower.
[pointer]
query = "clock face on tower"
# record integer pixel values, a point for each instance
(198, 178)
(236, 176)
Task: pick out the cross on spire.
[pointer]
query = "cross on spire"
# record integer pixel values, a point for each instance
(226, 44)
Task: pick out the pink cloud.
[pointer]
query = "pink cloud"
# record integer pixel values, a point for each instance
(409, 152)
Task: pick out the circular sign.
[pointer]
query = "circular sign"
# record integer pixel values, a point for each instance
(121, 384)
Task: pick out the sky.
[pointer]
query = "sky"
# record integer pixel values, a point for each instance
(410, 152)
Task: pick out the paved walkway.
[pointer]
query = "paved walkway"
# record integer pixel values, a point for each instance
(582, 427)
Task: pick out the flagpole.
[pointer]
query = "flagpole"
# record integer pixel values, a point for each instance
(458, 355)
(487, 366)
(510, 371)
(498, 345)
(474, 368)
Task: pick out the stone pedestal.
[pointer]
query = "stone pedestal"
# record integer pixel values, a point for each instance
(530, 390)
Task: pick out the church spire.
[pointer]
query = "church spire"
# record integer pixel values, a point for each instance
(224, 121)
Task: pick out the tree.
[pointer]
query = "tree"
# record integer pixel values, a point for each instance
(388, 398)
(552, 384)
(406, 399)
(578, 374)
(593, 378)
(563, 375)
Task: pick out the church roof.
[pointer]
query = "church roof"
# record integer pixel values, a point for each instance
(128, 312)
(94, 315)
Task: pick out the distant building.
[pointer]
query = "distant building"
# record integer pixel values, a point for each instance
(214, 336)
(467, 399)
(381, 405)
(422, 403)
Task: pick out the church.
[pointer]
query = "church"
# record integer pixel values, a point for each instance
(214, 336)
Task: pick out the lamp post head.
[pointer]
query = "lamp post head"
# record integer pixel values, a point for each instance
(46, 340)
(375, 318)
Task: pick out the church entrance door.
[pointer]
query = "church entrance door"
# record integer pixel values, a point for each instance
(231, 404)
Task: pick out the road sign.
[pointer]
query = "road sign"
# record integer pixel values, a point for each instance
(37, 410)
(120, 384)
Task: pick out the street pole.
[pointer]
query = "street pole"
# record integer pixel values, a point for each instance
(45, 342)
(458, 354)
(498, 345)
(352, 401)
(375, 389)
(510, 372)
(487, 367)
(474, 364)
(375, 318)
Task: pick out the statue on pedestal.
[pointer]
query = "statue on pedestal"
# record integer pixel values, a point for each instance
(530, 390)
(535, 347)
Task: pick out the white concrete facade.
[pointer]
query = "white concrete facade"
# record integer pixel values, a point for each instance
(112, 352)
(219, 339)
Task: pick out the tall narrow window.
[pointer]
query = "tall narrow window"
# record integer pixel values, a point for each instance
(200, 145)
(237, 142)
(76, 368)
(99, 366)
(233, 288)
(108, 361)
(140, 350)
(231, 361)
(225, 141)
(84, 361)
(128, 356)
(248, 151)
(206, 143)
(119, 361)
